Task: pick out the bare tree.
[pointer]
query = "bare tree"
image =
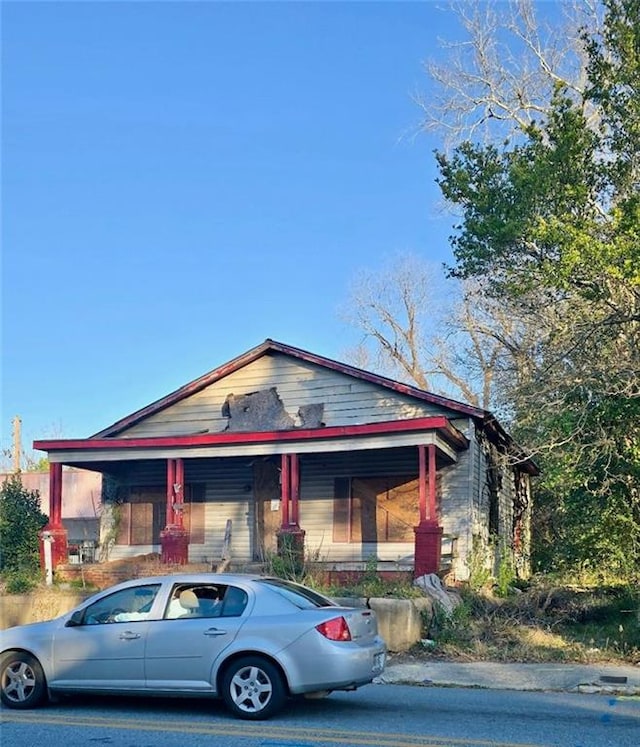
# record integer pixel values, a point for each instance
(501, 76)
(440, 335)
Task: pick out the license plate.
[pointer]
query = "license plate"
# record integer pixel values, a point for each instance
(378, 662)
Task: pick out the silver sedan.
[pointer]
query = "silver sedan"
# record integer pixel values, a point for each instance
(251, 640)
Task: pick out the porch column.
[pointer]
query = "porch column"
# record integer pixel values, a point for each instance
(54, 535)
(290, 536)
(428, 533)
(174, 538)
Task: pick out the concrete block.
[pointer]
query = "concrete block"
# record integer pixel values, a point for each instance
(399, 621)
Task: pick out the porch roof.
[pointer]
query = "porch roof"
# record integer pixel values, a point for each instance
(429, 430)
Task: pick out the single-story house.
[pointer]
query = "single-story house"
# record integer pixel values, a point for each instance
(286, 444)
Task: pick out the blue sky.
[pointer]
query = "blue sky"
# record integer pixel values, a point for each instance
(182, 180)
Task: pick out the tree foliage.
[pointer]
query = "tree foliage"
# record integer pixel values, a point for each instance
(20, 521)
(551, 224)
(543, 323)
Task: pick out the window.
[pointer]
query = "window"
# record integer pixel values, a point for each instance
(144, 515)
(375, 509)
(205, 600)
(126, 605)
(302, 597)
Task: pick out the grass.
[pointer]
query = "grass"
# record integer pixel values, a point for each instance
(546, 621)
(541, 624)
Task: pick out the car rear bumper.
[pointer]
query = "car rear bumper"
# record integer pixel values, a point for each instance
(333, 665)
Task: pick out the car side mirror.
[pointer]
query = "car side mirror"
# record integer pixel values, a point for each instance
(75, 619)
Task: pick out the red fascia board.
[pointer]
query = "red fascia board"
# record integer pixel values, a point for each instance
(439, 423)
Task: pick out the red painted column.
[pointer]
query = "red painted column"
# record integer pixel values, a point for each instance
(433, 511)
(422, 482)
(290, 536)
(174, 539)
(295, 490)
(428, 533)
(285, 488)
(54, 530)
(171, 479)
(179, 493)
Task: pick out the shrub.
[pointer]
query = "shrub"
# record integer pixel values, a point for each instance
(20, 521)
(22, 581)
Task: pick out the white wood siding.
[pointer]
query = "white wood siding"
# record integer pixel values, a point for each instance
(346, 400)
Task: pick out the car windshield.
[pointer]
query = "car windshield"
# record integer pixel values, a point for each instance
(299, 595)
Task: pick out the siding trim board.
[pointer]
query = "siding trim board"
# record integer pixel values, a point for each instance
(383, 441)
(448, 433)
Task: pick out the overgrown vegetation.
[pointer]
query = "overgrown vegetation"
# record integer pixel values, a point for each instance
(542, 623)
(545, 182)
(20, 521)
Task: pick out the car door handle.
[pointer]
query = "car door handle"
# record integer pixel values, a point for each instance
(215, 632)
(129, 636)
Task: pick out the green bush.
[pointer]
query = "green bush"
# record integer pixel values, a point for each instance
(20, 521)
(21, 582)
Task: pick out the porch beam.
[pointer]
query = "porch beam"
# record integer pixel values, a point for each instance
(438, 423)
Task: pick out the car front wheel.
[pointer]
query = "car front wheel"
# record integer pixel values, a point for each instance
(22, 682)
(253, 688)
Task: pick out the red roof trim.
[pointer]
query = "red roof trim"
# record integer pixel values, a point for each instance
(439, 423)
(278, 347)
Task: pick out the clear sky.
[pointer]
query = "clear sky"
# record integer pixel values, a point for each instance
(181, 180)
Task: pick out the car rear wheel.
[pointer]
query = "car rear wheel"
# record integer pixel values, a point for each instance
(22, 682)
(253, 688)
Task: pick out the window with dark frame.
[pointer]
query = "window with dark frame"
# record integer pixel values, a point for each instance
(143, 515)
(375, 509)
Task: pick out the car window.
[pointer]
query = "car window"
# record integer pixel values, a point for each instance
(126, 605)
(299, 595)
(195, 600)
(235, 601)
(205, 600)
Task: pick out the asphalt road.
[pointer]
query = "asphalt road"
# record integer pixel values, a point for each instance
(375, 716)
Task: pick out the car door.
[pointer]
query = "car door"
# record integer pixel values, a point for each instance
(103, 647)
(181, 650)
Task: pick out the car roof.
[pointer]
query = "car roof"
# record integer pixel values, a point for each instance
(197, 578)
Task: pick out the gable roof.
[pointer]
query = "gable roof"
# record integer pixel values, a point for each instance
(271, 346)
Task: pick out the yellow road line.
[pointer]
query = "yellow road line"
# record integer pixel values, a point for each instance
(245, 729)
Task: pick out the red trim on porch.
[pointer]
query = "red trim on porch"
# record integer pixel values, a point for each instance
(440, 423)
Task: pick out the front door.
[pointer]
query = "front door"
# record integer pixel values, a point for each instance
(268, 512)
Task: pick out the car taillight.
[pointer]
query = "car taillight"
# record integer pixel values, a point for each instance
(335, 629)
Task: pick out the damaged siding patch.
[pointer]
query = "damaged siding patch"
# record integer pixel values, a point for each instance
(264, 411)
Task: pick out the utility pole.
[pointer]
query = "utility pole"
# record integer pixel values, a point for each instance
(17, 443)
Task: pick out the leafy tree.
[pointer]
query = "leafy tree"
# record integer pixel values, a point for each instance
(551, 224)
(20, 521)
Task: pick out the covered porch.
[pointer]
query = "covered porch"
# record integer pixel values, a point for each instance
(347, 492)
